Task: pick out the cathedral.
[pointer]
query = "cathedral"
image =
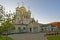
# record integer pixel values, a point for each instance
(24, 22)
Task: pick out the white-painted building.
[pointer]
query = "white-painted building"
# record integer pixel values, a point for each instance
(24, 22)
(49, 28)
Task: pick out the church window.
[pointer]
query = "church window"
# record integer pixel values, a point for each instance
(23, 28)
(19, 28)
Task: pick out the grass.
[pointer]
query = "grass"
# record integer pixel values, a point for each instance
(53, 37)
(4, 38)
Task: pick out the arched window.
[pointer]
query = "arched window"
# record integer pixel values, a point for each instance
(19, 28)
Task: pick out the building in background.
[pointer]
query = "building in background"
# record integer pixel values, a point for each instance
(49, 28)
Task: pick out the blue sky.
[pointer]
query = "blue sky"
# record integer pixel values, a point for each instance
(45, 11)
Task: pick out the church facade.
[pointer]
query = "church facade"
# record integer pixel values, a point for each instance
(24, 22)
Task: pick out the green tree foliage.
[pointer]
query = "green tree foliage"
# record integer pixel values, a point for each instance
(6, 21)
(7, 26)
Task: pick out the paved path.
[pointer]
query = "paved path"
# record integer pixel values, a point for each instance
(29, 36)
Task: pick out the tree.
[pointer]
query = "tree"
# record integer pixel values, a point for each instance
(6, 20)
(7, 24)
(1, 18)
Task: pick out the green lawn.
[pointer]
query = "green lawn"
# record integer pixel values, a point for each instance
(4, 38)
(53, 37)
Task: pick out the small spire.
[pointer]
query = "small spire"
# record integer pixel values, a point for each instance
(22, 3)
(28, 7)
(18, 4)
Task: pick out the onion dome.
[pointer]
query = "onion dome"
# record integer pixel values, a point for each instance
(22, 8)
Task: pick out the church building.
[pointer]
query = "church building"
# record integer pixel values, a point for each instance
(24, 22)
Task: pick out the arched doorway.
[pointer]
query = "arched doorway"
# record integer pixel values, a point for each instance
(30, 29)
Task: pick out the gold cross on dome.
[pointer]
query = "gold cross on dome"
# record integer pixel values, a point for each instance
(22, 3)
